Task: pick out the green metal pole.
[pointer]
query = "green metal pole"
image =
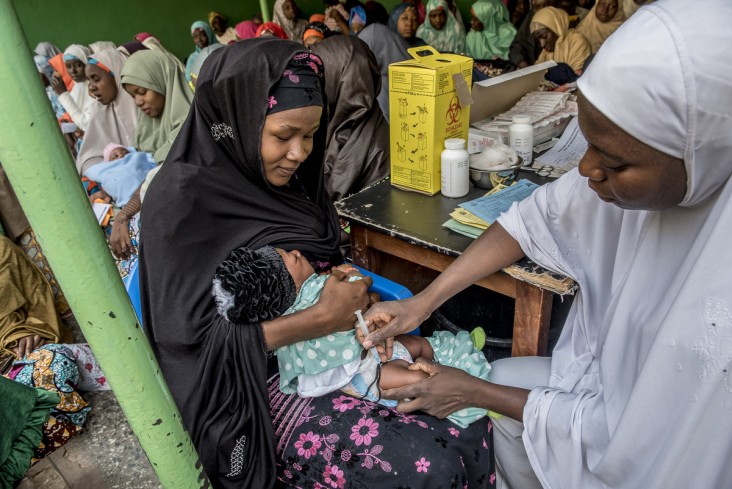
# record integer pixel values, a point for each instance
(39, 166)
(265, 10)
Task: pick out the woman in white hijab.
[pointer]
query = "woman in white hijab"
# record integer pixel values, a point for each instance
(638, 392)
(113, 115)
(78, 103)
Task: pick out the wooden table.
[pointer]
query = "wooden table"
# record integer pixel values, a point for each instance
(408, 225)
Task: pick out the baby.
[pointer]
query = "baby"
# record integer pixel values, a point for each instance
(254, 286)
(114, 151)
(122, 172)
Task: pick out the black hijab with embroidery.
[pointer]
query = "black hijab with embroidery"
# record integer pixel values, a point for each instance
(210, 198)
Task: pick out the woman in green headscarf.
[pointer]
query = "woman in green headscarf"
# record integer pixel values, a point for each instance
(441, 29)
(491, 32)
(162, 96)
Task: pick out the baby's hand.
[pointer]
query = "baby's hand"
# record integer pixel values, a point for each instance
(348, 269)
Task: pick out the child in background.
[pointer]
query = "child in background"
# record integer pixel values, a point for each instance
(255, 286)
(442, 31)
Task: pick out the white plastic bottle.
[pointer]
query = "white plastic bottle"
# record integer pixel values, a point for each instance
(455, 181)
(521, 137)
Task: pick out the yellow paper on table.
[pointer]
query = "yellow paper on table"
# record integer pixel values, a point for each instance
(429, 99)
(468, 218)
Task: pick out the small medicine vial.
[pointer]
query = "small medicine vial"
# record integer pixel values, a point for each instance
(521, 137)
(455, 180)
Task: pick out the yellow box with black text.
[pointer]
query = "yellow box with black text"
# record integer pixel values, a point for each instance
(426, 105)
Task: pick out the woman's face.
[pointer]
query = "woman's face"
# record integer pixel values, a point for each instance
(289, 9)
(475, 22)
(150, 102)
(438, 17)
(624, 171)
(546, 39)
(287, 141)
(101, 84)
(606, 10)
(200, 38)
(76, 70)
(407, 23)
(298, 266)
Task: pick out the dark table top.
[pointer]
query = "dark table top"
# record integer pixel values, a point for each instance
(417, 219)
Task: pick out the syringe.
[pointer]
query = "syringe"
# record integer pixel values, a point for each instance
(365, 331)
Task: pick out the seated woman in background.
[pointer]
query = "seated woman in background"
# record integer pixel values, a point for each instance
(270, 29)
(604, 18)
(113, 115)
(357, 141)
(224, 34)
(388, 47)
(491, 32)
(28, 316)
(441, 30)
(256, 179)
(202, 36)
(198, 64)
(357, 19)
(403, 21)
(285, 15)
(163, 98)
(550, 28)
(315, 32)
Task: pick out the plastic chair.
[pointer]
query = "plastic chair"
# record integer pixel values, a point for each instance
(132, 284)
(387, 289)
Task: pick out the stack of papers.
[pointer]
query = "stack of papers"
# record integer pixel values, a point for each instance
(474, 217)
(544, 108)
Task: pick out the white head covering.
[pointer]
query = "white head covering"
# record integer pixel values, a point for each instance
(99, 46)
(641, 388)
(78, 51)
(113, 123)
(46, 49)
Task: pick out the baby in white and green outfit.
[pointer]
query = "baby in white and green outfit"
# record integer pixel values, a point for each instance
(337, 361)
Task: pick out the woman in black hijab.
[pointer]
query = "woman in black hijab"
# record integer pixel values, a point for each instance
(247, 170)
(357, 144)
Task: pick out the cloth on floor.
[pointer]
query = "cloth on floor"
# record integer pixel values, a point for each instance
(23, 413)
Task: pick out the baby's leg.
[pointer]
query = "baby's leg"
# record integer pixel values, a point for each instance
(396, 374)
(416, 345)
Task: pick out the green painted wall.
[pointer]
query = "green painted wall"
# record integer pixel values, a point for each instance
(86, 21)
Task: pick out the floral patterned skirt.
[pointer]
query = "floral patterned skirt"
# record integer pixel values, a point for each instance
(336, 441)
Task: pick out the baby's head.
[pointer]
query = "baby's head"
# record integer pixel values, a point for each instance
(114, 151)
(259, 285)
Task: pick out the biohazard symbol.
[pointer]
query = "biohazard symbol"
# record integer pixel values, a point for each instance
(453, 111)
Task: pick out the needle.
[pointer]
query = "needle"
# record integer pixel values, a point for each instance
(365, 331)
